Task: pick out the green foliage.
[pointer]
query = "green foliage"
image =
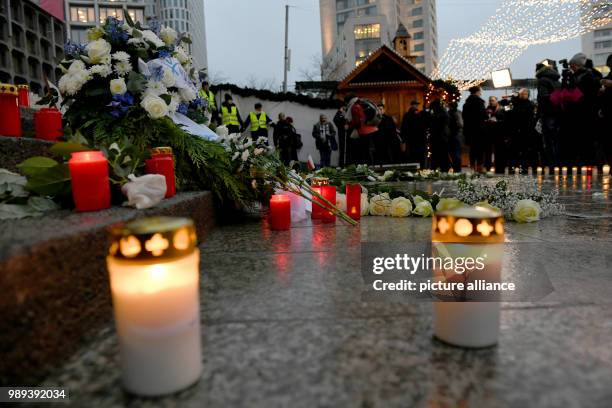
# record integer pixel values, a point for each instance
(16, 202)
(65, 149)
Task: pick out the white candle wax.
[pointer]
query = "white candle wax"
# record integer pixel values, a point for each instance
(547, 171)
(564, 170)
(574, 171)
(529, 171)
(539, 171)
(517, 171)
(606, 170)
(556, 171)
(158, 323)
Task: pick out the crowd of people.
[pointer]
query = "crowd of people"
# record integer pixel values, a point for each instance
(569, 123)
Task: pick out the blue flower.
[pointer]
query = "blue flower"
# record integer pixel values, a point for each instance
(155, 25)
(198, 102)
(163, 53)
(114, 29)
(182, 108)
(73, 49)
(121, 104)
(157, 73)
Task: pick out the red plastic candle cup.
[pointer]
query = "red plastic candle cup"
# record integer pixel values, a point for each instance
(90, 182)
(24, 96)
(328, 193)
(353, 201)
(48, 124)
(317, 211)
(280, 212)
(589, 171)
(162, 162)
(10, 122)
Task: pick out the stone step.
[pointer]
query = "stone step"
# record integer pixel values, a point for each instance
(55, 288)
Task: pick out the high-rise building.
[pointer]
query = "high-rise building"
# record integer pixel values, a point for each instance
(352, 29)
(31, 43)
(182, 15)
(597, 44)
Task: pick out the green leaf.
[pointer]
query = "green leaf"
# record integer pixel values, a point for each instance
(12, 178)
(136, 34)
(65, 149)
(42, 204)
(128, 19)
(92, 93)
(136, 82)
(36, 165)
(16, 211)
(53, 182)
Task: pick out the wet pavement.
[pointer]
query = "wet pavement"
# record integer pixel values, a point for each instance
(284, 324)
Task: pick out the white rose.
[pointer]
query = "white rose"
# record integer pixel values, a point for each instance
(168, 78)
(98, 51)
(526, 211)
(387, 175)
(485, 204)
(118, 86)
(380, 204)
(245, 155)
(168, 35)
(187, 94)
(448, 204)
(400, 207)
(155, 106)
(341, 201)
(151, 37)
(365, 204)
(422, 207)
(76, 67)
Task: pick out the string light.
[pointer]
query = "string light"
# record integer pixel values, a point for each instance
(517, 25)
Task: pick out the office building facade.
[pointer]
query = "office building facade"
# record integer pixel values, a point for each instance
(353, 29)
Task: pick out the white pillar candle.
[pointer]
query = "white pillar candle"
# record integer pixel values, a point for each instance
(584, 170)
(506, 171)
(529, 171)
(595, 171)
(606, 170)
(574, 171)
(546, 171)
(539, 171)
(468, 232)
(154, 276)
(556, 171)
(564, 170)
(517, 171)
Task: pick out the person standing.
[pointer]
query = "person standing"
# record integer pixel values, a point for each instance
(548, 82)
(386, 139)
(606, 109)
(230, 116)
(340, 122)
(412, 133)
(360, 126)
(456, 136)
(440, 135)
(494, 135)
(259, 122)
(325, 140)
(522, 124)
(474, 117)
(285, 140)
(209, 96)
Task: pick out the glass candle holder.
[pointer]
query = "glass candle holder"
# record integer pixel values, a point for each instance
(162, 162)
(468, 320)
(317, 183)
(353, 201)
(10, 125)
(280, 212)
(90, 181)
(153, 264)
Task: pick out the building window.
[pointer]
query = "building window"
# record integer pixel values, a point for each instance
(420, 59)
(106, 12)
(78, 36)
(599, 60)
(419, 47)
(603, 33)
(136, 15)
(417, 23)
(603, 44)
(419, 35)
(82, 14)
(417, 11)
(363, 31)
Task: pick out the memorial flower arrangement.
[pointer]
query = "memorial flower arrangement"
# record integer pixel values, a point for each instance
(364, 174)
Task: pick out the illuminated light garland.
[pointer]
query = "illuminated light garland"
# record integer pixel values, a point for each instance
(517, 25)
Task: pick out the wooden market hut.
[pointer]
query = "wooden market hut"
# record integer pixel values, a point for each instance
(388, 76)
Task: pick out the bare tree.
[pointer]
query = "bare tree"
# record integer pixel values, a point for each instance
(322, 66)
(216, 77)
(254, 82)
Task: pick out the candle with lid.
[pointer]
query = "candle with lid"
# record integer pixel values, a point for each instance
(539, 171)
(162, 162)
(574, 171)
(564, 171)
(556, 170)
(280, 212)
(90, 181)
(24, 96)
(328, 193)
(48, 124)
(353, 201)
(154, 271)
(606, 170)
(468, 319)
(317, 183)
(10, 125)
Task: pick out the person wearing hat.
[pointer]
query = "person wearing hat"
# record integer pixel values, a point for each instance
(412, 133)
(230, 116)
(209, 96)
(258, 121)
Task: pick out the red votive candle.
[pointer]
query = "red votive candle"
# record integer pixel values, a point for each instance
(48, 124)
(24, 96)
(353, 201)
(328, 193)
(317, 210)
(589, 171)
(10, 116)
(280, 212)
(90, 183)
(162, 162)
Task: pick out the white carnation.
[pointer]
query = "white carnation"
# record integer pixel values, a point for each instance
(155, 88)
(187, 94)
(151, 37)
(118, 86)
(168, 35)
(155, 106)
(76, 66)
(102, 70)
(123, 68)
(181, 55)
(121, 56)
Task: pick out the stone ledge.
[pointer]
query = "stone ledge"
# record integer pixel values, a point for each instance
(14, 150)
(55, 284)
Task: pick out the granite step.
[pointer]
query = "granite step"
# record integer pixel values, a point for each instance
(54, 280)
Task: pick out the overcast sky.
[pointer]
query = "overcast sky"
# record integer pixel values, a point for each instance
(245, 38)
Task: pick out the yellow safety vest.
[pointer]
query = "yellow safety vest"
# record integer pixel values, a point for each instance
(229, 116)
(261, 123)
(210, 97)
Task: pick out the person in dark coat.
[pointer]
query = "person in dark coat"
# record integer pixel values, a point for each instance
(412, 133)
(474, 117)
(606, 110)
(440, 136)
(325, 140)
(386, 140)
(495, 136)
(340, 122)
(456, 136)
(548, 82)
(285, 140)
(525, 144)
